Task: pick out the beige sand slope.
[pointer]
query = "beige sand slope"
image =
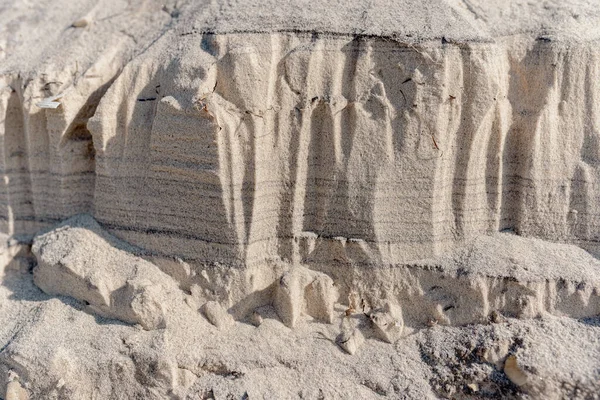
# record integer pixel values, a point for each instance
(224, 199)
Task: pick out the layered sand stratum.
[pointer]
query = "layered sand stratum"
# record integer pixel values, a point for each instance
(299, 199)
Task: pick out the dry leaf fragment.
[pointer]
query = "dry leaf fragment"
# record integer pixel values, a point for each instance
(514, 372)
(474, 387)
(50, 102)
(80, 23)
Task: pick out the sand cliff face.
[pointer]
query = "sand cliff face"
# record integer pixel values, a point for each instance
(237, 154)
(70, 53)
(238, 148)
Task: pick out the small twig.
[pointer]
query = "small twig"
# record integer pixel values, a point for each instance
(434, 142)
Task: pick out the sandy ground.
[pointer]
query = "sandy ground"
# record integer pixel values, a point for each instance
(59, 348)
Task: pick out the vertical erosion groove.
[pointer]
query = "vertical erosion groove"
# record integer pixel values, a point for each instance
(16, 203)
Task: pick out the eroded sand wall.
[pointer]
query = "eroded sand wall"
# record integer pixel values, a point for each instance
(70, 53)
(243, 147)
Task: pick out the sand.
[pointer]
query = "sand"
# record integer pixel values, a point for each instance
(299, 199)
(65, 348)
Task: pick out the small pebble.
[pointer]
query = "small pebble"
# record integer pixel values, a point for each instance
(80, 23)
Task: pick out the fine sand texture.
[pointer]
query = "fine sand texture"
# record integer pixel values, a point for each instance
(294, 199)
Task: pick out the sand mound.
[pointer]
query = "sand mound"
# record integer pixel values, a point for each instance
(58, 347)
